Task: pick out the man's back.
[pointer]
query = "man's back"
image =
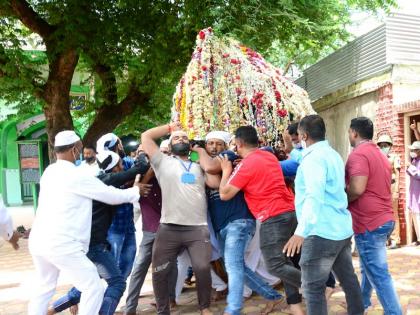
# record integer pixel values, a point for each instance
(59, 205)
(259, 175)
(64, 216)
(373, 208)
(320, 191)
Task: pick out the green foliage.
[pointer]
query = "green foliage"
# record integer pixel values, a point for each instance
(149, 43)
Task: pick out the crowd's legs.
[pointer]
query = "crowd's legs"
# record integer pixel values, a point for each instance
(234, 239)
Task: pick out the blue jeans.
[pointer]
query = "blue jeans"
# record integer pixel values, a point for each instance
(109, 271)
(123, 247)
(234, 239)
(374, 267)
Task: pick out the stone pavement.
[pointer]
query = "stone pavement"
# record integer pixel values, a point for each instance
(16, 283)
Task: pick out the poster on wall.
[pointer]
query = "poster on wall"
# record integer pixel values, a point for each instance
(29, 162)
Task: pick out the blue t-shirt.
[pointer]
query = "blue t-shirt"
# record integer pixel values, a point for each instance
(290, 166)
(224, 212)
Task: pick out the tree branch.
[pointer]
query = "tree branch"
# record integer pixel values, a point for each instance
(30, 18)
(288, 65)
(109, 117)
(109, 84)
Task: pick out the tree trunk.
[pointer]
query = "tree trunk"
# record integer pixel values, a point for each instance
(56, 96)
(107, 118)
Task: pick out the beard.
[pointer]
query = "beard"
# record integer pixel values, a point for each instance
(90, 159)
(181, 149)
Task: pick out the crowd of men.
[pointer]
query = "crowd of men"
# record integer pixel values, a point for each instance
(301, 202)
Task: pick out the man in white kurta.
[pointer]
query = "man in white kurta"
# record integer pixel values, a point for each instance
(60, 235)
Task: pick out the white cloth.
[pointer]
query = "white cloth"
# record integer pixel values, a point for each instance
(220, 135)
(79, 270)
(107, 160)
(216, 282)
(105, 142)
(65, 137)
(184, 262)
(64, 216)
(90, 169)
(6, 223)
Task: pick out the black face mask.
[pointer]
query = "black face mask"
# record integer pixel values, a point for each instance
(90, 159)
(181, 149)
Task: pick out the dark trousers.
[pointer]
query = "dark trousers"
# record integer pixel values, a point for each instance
(331, 279)
(319, 257)
(169, 242)
(274, 234)
(139, 272)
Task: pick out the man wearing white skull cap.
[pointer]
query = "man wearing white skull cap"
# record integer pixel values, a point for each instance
(61, 231)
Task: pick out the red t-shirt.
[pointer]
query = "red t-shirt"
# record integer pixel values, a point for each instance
(260, 176)
(374, 207)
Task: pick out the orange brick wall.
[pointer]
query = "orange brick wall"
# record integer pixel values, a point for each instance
(390, 120)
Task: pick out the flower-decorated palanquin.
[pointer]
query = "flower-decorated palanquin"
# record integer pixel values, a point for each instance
(227, 85)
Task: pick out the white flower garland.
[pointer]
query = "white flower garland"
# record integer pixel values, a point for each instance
(227, 85)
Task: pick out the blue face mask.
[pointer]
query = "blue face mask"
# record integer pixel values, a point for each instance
(297, 145)
(78, 161)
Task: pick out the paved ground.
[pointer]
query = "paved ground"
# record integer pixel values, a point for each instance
(16, 272)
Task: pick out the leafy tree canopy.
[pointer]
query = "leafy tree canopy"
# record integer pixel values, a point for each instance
(135, 50)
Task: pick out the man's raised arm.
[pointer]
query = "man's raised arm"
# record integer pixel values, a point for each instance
(149, 136)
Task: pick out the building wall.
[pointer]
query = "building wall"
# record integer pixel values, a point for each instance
(388, 117)
(337, 119)
(405, 83)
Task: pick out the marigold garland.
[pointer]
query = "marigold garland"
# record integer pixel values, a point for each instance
(228, 85)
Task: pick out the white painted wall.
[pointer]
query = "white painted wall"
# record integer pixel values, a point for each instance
(405, 83)
(337, 119)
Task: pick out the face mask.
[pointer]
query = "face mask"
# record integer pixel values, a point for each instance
(90, 159)
(385, 150)
(303, 144)
(77, 161)
(181, 149)
(413, 155)
(297, 145)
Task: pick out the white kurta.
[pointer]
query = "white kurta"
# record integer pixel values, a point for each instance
(64, 216)
(60, 235)
(92, 169)
(6, 224)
